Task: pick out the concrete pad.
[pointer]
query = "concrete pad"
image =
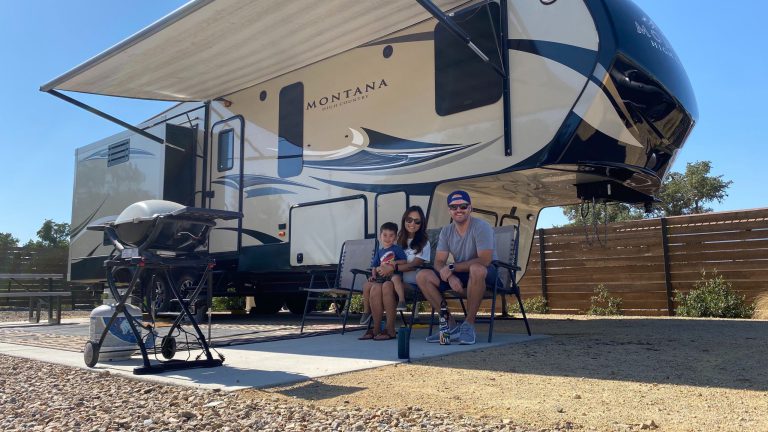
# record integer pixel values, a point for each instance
(275, 363)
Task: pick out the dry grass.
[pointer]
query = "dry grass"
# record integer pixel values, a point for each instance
(761, 307)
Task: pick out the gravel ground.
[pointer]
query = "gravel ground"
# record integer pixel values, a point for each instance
(593, 374)
(39, 396)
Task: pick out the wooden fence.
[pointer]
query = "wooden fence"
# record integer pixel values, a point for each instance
(644, 262)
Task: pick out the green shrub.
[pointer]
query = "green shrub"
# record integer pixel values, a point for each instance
(712, 297)
(536, 304)
(356, 306)
(228, 303)
(603, 304)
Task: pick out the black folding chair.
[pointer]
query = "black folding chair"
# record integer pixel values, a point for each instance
(355, 257)
(506, 239)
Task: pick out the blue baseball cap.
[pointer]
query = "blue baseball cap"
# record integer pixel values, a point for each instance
(458, 195)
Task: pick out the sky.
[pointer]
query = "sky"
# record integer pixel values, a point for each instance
(721, 47)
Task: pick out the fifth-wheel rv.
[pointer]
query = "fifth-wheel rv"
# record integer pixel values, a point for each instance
(318, 121)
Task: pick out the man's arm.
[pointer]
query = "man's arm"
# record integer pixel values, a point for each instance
(484, 257)
(440, 258)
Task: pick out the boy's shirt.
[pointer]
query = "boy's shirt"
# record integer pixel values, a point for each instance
(388, 255)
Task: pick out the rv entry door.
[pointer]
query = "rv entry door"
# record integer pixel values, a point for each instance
(226, 182)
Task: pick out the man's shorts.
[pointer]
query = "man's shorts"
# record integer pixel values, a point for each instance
(490, 278)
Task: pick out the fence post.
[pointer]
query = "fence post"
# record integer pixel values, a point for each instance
(667, 274)
(543, 266)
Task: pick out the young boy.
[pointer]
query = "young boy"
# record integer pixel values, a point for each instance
(388, 255)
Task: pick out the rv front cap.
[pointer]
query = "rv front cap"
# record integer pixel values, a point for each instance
(458, 195)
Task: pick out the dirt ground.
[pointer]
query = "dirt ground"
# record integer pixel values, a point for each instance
(621, 373)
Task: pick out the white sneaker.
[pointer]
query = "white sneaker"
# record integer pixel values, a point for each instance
(466, 334)
(435, 337)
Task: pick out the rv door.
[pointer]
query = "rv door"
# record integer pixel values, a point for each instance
(225, 184)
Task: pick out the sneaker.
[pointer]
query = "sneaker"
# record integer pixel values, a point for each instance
(401, 306)
(435, 337)
(466, 334)
(365, 319)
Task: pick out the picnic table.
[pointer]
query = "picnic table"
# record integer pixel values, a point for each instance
(39, 289)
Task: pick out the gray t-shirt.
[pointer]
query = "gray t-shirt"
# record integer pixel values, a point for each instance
(479, 236)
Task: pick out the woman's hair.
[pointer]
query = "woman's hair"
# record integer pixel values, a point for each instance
(420, 237)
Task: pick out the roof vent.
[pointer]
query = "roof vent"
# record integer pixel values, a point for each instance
(119, 152)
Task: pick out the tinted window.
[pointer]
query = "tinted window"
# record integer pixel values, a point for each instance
(290, 131)
(463, 81)
(226, 150)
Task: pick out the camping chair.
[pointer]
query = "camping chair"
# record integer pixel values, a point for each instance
(356, 255)
(506, 239)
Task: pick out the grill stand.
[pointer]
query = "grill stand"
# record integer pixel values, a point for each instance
(154, 262)
(183, 230)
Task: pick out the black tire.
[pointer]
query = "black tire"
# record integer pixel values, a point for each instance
(168, 347)
(157, 294)
(296, 302)
(186, 285)
(91, 353)
(267, 305)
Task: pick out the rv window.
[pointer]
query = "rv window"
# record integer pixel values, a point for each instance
(119, 152)
(462, 80)
(226, 150)
(290, 131)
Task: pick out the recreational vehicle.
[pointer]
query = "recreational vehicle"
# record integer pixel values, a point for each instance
(318, 121)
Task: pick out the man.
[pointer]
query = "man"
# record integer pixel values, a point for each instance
(470, 241)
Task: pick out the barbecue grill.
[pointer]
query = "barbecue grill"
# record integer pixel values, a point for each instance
(159, 236)
(165, 225)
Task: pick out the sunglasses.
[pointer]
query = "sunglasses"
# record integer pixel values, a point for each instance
(413, 221)
(455, 207)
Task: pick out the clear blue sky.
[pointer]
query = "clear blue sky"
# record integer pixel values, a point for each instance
(721, 45)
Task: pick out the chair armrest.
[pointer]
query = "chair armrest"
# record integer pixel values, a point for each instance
(361, 272)
(497, 263)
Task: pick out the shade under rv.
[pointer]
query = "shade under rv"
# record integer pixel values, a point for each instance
(212, 48)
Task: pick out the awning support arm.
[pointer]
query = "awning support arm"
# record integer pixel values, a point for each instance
(104, 115)
(457, 31)
(506, 92)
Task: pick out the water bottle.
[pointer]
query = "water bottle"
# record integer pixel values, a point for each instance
(445, 333)
(404, 343)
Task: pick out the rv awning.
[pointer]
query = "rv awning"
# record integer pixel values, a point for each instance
(209, 48)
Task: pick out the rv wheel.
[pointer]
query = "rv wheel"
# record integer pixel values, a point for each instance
(267, 305)
(296, 302)
(186, 285)
(168, 347)
(157, 294)
(91, 353)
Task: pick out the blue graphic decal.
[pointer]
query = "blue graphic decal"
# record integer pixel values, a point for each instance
(258, 235)
(104, 154)
(250, 180)
(579, 59)
(267, 191)
(413, 189)
(121, 329)
(366, 160)
(381, 141)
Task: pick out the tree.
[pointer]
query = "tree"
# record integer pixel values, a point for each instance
(7, 241)
(51, 234)
(588, 215)
(680, 194)
(689, 193)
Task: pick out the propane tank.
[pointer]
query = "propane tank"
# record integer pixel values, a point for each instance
(120, 342)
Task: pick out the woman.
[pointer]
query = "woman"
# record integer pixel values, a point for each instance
(381, 298)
